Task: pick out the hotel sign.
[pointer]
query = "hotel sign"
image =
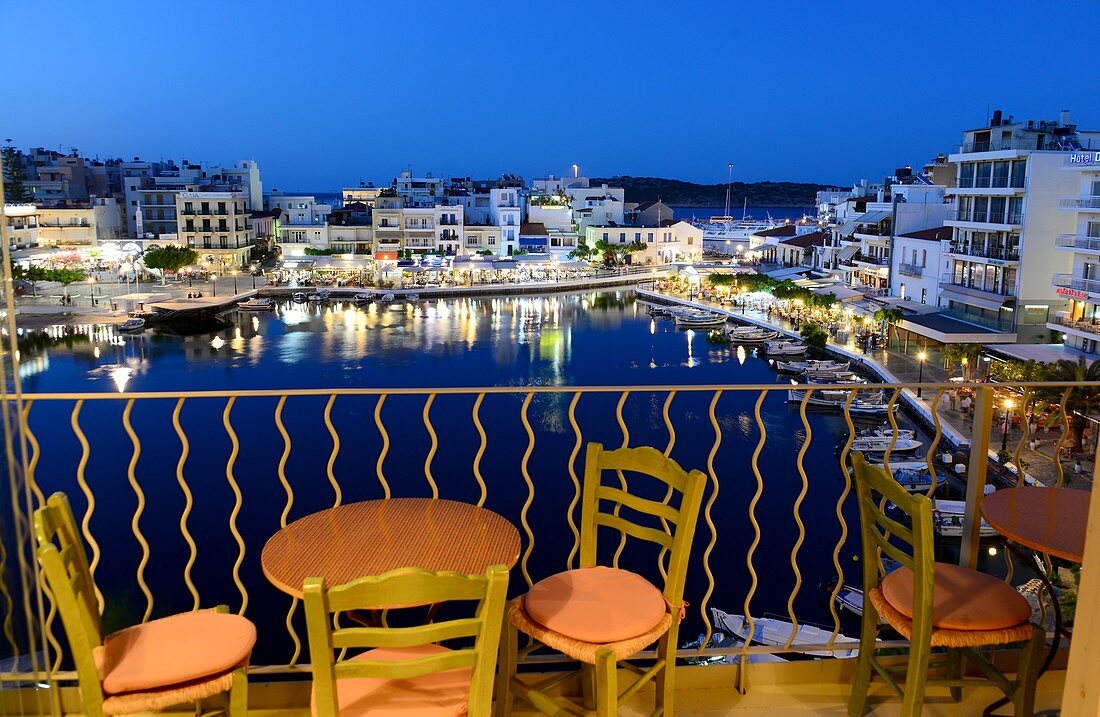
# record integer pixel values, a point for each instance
(1083, 159)
(1071, 293)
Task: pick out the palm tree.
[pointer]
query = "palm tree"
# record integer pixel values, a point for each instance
(966, 355)
(1082, 401)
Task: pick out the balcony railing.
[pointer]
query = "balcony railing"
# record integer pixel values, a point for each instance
(1070, 281)
(961, 282)
(986, 217)
(1088, 203)
(1077, 241)
(998, 145)
(991, 183)
(871, 259)
(910, 270)
(987, 252)
(1092, 327)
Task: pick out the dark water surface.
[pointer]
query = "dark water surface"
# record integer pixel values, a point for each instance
(589, 339)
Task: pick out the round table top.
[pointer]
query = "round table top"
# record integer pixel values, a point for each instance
(1049, 520)
(357, 540)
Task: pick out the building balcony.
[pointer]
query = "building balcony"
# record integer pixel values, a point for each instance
(208, 550)
(985, 252)
(1029, 143)
(964, 286)
(986, 217)
(913, 270)
(990, 183)
(1060, 322)
(1077, 242)
(1076, 283)
(861, 258)
(1081, 204)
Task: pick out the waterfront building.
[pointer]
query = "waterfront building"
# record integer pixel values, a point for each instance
(1011, 180)
(22, 225)
(423, 229)
(762, 243)
(424, 191)
(265, 228)
(83, 225)
(350, 230)
(1080, 321)
(827, 202)
(552, 184)
(216, 225)
(598, 206)
(533, 238)
(919, 260)
(299, 209)
(801, 249)
(671, 241)
(480, 238)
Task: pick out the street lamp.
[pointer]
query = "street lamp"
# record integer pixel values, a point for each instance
(214, 284)
(1008, 404)
(921, 357)
(235, 272)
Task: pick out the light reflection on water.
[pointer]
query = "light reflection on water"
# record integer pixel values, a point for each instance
(564, 339)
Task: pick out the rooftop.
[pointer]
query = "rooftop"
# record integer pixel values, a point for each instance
(934, 234)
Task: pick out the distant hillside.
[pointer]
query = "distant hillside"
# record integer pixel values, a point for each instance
(688, 194)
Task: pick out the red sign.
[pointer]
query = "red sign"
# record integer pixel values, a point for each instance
(1071, 293)
(386, 256)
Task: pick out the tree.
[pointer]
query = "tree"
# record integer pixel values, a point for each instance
(65, 277)
(888, 319)
(1081, 401)
(169, 258)
(34, 275)
(966, 355)
(813, 335)
(582, 252)
(15, 176)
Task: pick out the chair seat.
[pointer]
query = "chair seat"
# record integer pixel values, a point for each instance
(172, 651)
(950, 638)
(437, 694)
(161, 699)
(596, 604)
(962, 599)
(579, 649)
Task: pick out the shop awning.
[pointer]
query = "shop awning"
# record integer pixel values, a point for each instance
(875, 217)
(848, 252)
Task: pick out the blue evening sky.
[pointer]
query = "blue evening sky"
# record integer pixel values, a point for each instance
(326, 94)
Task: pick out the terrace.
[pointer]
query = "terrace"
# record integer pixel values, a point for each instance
(198, 500)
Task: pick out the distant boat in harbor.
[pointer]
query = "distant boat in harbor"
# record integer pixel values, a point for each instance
(777, 632)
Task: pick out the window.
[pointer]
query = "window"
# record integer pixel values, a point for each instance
(649, 237)
(605, 236)
(492, 241)
(924, 257)
(622, 237)
(637, 236)
(924, 296)
(691, 240)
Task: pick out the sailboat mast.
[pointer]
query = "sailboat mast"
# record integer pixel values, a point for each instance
(729, 183)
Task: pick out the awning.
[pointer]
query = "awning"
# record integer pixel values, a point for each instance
(847, 252)
(788, 272)
(842, 293)
(847, 228)
(964, 298)
(534, 241)
(765, 246)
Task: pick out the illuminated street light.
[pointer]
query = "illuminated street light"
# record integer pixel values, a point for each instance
(1009, 404)
(921, 357)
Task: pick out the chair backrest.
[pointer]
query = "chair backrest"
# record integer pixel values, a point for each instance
(406, 586)
(681, 520)
(881, 534)
(65, 564)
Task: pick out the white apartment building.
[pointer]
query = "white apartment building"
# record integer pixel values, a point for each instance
(919, 259)
(1080, 322)
(299, 209)
(150, 190)
(671, 241)
(596, 206)
(363, 194)
(424, 191)
(420, 229)
(22, 221)
(80, 227)
(1010, 184)
(216, 225)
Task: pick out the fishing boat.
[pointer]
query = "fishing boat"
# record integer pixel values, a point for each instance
(412, 297)
(948, 516)
(811, 365)
(388, 296)
(750, 335)
(257, 304)
(132, 325)
(785, 347)
(880, 444)
(836, 400)
(363, 297)
(887, 430)
(299, 296)
(775, 632)
(699, 320)
(832, 377)
(319, 296)
(916, 479)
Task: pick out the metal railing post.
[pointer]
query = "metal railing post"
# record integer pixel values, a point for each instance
(976, 476)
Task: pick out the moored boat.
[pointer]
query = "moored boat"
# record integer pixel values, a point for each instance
(300, 296)
(948, 516)
(837, 400)
(318, 296)
(388, 296)
(880, 444)
(785, 347)
(775, 632)
(364, 297)
(811, 365)
(699, 320)
(412, 297)
(132, 325)
(257, 304)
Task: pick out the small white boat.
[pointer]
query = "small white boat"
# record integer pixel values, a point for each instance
(364, 297)
(915, 480)
(837, 399)
(132, 325)
(785, 347)
(886, 430)
(832, 377)
(412, 297)
(879, 444)
(811, 365)
(387, 297)
(947, 519)
(777, 633)
(751, 335)
(257, 304)
(299, 296)
(699, 320)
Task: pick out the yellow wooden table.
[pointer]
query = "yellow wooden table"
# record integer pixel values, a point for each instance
(375, 536)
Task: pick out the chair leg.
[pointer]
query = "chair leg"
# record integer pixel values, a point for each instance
(238, 695)
(607, 687)
(857, 700)
(955, 671)
(506, 668)
(588, 686)
(1027, 675)
(666, 678)
(916, 672)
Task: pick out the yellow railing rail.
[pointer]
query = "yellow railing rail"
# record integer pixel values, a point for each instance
(655, 404)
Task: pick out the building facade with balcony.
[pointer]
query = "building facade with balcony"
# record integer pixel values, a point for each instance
(83, 226)
(918, 262)
(150, 190)
(398, 228)
(1080, 322)
(299, 209)
(1010, 184)
(673, 240)
(215, 224)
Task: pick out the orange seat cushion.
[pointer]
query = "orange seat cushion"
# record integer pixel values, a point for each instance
(597, 604)
(171, 650)
(437, 694)
(962, 599)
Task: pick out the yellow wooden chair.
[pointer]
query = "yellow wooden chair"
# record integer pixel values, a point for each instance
(145, 668)
(600, 616)
(405, 671)
(933, 605)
